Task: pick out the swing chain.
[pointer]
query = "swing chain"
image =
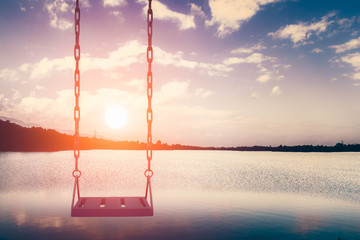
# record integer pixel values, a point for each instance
(76, 173)
(149, 114)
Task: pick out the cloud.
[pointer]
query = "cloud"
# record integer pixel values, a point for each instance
(4, 104)
(9, 74)
(176, 59)
(23, 9)
(140, 84)
(164, 13)
(203, 93)
(127, 54)
(259, 59)
(345, 22)
(172, 91)
(253, 58)
(46, 66)
(114, 3)
(264, 78)
(243, 50)
(196, 10)
(301, 32)
(16, 94)
(356, 76)
(317, 50)
(38, 87)
(230, 14)
(55, 8)
(118, 15)
(353, 59)
(276, 91)
(255, 95)
(352, 44)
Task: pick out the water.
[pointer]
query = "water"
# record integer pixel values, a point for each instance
(197, 195)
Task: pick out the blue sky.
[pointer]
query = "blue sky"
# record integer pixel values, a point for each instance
(226, 73)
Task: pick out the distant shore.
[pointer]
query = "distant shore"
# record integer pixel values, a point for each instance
(17, 138)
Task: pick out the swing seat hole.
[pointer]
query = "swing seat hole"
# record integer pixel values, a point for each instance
(122, 202)
(82, 203)
(142, 202)
(102, 204)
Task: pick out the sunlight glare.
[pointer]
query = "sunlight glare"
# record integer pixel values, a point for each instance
(116, 117)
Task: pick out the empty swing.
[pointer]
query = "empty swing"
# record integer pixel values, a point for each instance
(112, 206)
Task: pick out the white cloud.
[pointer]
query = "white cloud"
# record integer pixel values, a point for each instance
(4, 104)
(172, 90)
(353, 59)
(264, 78)
(203, 93)
(301, 32)
(118, 15)
(24, 67)
(38, 87)
(356, 76)
(352, 44)
(243, 50)
(55, 8)
(230, 14)
(176, 59)
(23, 9)
(317, 50)
(196, 10)
(45, 66)
(276, 91)
(140, 84)
(255, 95)
(114, 3)
(346, 22)
(164, 13)
(129, 53)
(9, 74)
(16, 94)
(259, 59)
(287, 66)
(280, 77)
(126, 55)
(253, 58)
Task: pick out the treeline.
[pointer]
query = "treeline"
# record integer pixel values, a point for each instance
(14, 137)
(339, 147)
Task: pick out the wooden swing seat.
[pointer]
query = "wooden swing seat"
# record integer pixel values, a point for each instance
(111, 207)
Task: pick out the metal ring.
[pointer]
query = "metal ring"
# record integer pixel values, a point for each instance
(76, 173)
(148, 173)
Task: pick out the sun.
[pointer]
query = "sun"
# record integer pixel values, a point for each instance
(116, 117)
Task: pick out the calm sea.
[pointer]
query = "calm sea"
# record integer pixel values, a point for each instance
(197, 195)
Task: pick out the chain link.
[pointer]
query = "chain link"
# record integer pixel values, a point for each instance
(149, 114)
(149, 55)
(76, 172)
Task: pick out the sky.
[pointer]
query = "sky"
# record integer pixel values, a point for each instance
(226, 72)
